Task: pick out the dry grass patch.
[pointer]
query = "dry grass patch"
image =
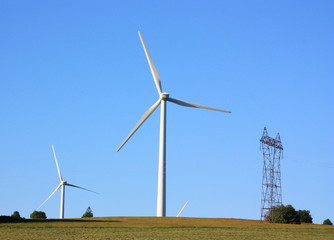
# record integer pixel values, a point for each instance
(161, 228)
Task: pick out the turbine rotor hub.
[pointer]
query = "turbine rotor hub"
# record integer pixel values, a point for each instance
(63, 182)
(164, 96)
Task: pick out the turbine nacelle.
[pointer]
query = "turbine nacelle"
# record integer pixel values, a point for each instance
(164, 96)
(63, 183)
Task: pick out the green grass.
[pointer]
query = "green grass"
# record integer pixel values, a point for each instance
(161, 228)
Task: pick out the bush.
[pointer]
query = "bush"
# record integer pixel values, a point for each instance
(16, 214)
(305, 216)
(9, 219)
(88, 213)
(283, 214)
(327, 222)
(37, 215)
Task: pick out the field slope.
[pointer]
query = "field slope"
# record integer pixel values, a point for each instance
(161, 228)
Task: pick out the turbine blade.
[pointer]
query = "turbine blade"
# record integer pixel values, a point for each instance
(71, 185)
(49, 196)
(140, 122)
(195, 105)
(184, 206)
(154, 71)
(55, 157)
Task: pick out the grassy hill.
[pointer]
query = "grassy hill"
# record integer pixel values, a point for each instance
(161, 228)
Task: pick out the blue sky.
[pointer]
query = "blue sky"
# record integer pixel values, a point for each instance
(74, 74)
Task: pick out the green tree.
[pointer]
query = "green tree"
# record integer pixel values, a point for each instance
(305, 216)
(327, 222)
(37, 215)
(283, 214)
(16, 214)
(88, 213)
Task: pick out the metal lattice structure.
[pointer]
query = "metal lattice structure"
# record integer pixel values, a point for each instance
(272, 151)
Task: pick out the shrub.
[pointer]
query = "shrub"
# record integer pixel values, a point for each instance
(305, 216)
(37, 215)
(9, 219)
(327, 222)
(283, 214)
(88, 213)
(16, 214)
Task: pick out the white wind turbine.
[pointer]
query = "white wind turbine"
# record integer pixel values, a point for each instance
(61, 185)
(163, 98)
(184, 206)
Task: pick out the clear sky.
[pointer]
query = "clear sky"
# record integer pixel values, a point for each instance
(74, 74)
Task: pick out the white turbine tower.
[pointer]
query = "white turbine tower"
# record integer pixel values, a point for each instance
(61, 185)
(163, 98)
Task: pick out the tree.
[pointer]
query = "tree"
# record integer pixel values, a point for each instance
(16, 214)
(305, 216)
(37, 215)
(283, 214)
(88, 213)
(327, 222)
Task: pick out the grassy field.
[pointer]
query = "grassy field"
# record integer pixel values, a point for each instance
(161, 228)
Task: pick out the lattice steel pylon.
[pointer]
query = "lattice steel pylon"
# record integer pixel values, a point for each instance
(272, 151)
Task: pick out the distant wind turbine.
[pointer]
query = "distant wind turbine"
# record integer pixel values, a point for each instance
(184, 206)
(61, 185)
(163, 98)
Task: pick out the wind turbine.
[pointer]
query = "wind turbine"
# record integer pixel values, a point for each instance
(163, 98)
(61, 185)
(184, 206)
